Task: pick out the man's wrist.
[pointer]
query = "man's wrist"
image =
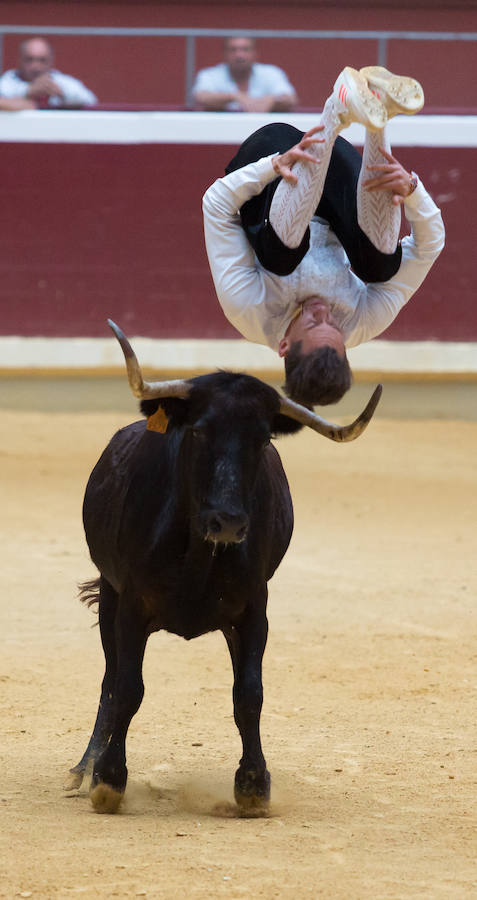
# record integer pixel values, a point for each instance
(413, 181)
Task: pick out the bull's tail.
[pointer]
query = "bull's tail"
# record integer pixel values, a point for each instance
(89, 591)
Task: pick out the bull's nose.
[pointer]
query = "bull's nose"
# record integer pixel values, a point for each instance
(226, 528)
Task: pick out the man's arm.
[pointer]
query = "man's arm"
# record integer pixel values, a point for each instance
(44, 86)
(215, 101)
(382, 302)
(11, 85)
(14, 104)
(238, 282)
(276, 93)
(74, 93)
(267, 103)
(213, 91)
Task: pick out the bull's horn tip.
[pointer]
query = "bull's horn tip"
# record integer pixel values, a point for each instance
(118, 333)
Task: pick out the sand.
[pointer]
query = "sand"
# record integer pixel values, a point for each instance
(370, 682)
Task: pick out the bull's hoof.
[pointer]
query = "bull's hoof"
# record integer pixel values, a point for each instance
(105, 798)
(252, 792)
(73, 779)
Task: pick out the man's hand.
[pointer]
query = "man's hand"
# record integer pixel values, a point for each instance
(43, 86)
(391, 177)
(284, 161)
(255, 104)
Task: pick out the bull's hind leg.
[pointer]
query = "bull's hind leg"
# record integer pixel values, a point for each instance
(247, 644)
(108, 602)
(110, 772)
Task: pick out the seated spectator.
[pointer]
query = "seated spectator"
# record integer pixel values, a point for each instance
(36, 80)
(242, 84)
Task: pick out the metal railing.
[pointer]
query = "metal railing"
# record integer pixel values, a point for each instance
(190, 36)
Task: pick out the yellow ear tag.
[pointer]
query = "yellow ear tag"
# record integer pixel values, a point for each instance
(158, 421)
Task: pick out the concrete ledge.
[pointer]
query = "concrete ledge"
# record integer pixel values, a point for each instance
(102, 356)
(103, 127)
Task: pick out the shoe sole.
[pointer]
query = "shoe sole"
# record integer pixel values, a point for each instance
(369, 111)
(399, 93)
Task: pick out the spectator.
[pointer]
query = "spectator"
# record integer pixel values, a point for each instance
(36, 80)
(240, 83)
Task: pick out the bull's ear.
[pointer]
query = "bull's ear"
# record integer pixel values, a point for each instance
(284, 425)
(175, 409)
(148, 407)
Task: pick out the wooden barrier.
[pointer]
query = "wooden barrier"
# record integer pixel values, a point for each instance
(101, 218)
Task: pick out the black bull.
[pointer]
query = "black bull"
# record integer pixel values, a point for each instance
(186, 525)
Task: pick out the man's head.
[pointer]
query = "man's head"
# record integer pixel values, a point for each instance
(239, 54)
(316, 368)
(35, 58)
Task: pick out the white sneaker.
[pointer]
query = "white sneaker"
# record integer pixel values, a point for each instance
(398, 93)
(358, 103)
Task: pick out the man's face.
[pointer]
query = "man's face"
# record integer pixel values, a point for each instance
(35, 59)
(239, 55)
(315, 327)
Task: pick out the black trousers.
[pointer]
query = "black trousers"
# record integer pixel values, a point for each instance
(338, 206)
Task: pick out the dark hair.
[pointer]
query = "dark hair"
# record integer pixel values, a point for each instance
(316, 378)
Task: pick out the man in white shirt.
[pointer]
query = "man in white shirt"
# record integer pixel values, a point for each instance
(241, 83)
(309, 262)
(37, 81)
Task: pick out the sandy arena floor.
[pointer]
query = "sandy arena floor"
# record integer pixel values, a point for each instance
(369, 720)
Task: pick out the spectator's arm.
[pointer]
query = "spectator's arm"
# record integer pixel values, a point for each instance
(74, 94)
(13, 104)
(268, 103)
(215, 101)
(43, 86)
(284, 103)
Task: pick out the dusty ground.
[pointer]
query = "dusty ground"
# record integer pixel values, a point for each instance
(370, 685)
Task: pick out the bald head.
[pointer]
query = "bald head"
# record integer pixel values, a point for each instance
(35, 58)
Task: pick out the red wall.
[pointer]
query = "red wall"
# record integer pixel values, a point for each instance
(151, 70)
(91, 231)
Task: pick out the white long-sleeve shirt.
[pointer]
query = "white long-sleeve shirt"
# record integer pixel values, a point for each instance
(261, 304)
(75, 93)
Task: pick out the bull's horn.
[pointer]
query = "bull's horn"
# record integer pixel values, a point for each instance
(333, 432)
(146, 390)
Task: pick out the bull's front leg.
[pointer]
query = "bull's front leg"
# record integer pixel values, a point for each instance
(110, 772)
(247, 644)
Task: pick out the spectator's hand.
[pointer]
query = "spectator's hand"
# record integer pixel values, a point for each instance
(391, 176)
(43, 85)
(284, 161)
(255, 104)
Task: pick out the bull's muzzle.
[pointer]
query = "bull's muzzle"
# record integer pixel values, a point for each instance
(224, 528)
